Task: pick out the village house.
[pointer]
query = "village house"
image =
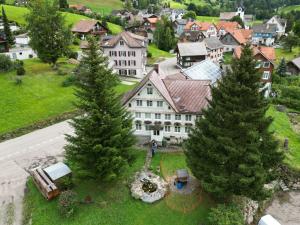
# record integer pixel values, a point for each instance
(235, 38)
(208, 29)
(150, 22)
(264, 34)
(80, 8)
(189, 53)
(87, 27)
(246, 18)
(179, 26)
(280, 25)
(293, 67)
(166, 108)
(173, 14)
(191, 36)
(128, 53)
(265, 58)
(223, 27)
(215, 49)
(22, 40)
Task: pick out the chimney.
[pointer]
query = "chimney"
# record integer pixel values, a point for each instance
(156, 67)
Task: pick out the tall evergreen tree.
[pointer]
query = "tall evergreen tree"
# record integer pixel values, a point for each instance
(7, 31)
(103, 140)
(281, 69)
(49, 36)
(63, 4)
(231, 150)
(164, 36)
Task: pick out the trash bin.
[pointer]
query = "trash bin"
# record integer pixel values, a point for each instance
(179, 185)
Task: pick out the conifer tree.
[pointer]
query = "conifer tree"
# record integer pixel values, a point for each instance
(164, 36)
(231, 150)
(281, 69)
(102, 144)
(63, 4)
(7, 31)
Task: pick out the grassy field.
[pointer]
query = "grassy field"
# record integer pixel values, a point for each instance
(208, 19)
(18, 14)
(41, 95)
(113, 204)
(283, 129)
(103, 7)
(156, 54)
(290, 8)
(282, 53)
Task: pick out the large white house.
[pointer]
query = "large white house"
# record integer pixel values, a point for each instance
(280, 25)
(128, 53)
(166, 107)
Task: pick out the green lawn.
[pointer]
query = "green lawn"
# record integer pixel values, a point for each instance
(283, 129)
(211, 19)
(290, 8)
(103, 7)
(178, 5)
(282, 53)
(18, 15)
(41, 95)
(115, 206)
(157, 53)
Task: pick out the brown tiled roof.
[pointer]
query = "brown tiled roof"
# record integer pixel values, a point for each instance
(242, 36)
(84, 26)
(132, 40)
(77, 7)
(267, 52)
(204, 26)
(227, 26)
(185, 96)
(247, 33)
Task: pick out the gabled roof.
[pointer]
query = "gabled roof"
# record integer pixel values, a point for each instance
(265, 28)
(84, 26)
(179, 93)
(267, 52)
(204, 26)
(204, 70)
(240, 35)
(132, 40)
(227, 26)
(213, 43)
(296, 62)
(192, 48)
(281, 21)
(191, 35)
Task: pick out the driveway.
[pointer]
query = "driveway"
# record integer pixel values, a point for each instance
(18, 156)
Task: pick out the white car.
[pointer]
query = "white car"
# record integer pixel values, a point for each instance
(268, 220)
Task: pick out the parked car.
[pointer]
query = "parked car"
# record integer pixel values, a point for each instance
(268, 220)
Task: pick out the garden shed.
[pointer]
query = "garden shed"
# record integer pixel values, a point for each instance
(57, 171)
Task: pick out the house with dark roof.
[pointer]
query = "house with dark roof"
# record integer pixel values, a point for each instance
(207, 28)
(215, 49)
(179, 26)
(265, 62)
(246, 18)
(192, 36)
(235, 38)
(293, 66)
(189, 53)
(89, 27)
(127, 52)
(264, 34)
(166, 107)
(280, 25)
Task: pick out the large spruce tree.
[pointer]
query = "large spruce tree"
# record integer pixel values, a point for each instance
(49, 35)
(102, 144)
(7, 31)
(231, 150)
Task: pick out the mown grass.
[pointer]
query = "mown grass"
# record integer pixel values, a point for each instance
(156, 54)
(282, 53)
(103, 7)
(282, 128)
(18, 14)
(40, 96)
(290, 8)
(113, 205)
(210, 19)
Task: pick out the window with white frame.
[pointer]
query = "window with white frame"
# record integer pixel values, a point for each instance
(167, 128)
(138, 115)
(132, 72)
(123, 72)
(266, 75)
(157, 116)
(139, 102)
(167, 116)
(177, 129)
(258, 64)
(188, 117)
(149, 91)
(148, 115)
(177, 117)
(149, 103)
(266, 64)
(138, 126)
(159, 103)
(121, 42)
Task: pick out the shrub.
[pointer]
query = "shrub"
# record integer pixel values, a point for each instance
(149, 54)
(66, 183)
(67, 203)
(18, 80)
(226, 215)
(61, 72)
(72, 55)
(70, 80)
(5, 63)
(21, 71)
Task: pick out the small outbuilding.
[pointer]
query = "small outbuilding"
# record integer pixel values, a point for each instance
(268, 220)
(182, 175)
(57, 171)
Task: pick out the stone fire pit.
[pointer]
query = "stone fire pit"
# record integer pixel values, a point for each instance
(148, 187)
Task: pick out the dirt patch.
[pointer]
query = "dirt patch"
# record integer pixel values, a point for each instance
(295, 121)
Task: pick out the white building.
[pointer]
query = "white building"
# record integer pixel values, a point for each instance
(128, 52)
(22, 40)
(166, 107)
(20, 53)
(280, 25)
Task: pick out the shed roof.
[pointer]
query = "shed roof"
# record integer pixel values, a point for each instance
(182, 173)
(57, 171)
(296, 62)
(192, 48)
(268, 220)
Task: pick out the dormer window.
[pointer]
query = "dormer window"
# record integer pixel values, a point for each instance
(121, 42)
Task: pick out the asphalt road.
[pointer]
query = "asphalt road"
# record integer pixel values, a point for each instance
(18, 156)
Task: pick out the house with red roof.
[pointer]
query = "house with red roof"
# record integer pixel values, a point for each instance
(208, 29)
(235, 38)
(223, 27)
(166, 107)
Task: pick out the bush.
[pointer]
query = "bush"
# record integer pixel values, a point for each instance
(226, 215)
(67, 203)
(21, 71)
(18, 80)
(61, 72)
(70, 80)
(72, 55)
(5, 63)
(149, 54)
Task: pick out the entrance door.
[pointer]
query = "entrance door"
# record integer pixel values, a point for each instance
(156, 132)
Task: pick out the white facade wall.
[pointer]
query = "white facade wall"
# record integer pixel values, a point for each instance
(22, 41)
(118, 59)
(216, 54)
(21, 53)
(264, 41)
(142, 113)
